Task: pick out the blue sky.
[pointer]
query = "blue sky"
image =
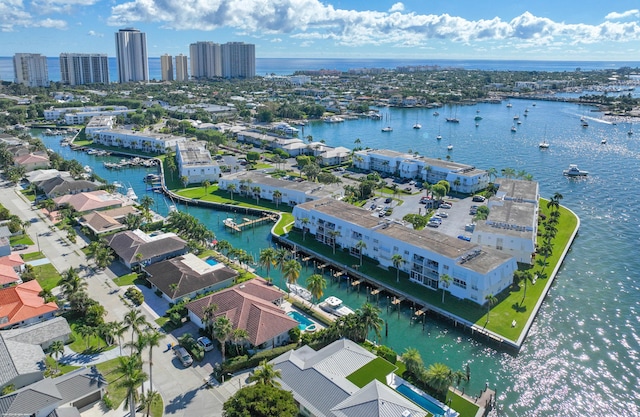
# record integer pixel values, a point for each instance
(455, 29)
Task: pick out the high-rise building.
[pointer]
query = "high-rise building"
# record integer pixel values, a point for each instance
(166, 67)
(182, 73)
(238, 60)
(206, 60)
(31, 70)
(131, 53)
(77, 69)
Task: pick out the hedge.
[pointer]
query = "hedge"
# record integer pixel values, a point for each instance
(243, 362)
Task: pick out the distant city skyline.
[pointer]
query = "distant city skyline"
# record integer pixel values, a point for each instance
(465, 29)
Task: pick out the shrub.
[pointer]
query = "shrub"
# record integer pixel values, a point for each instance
(107, 402)
(294, 335)
(387, 353)
(135, 295)
(242, 362)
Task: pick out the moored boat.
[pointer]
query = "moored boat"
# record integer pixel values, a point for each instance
(301, 292)
(574, 171)
(335, 306)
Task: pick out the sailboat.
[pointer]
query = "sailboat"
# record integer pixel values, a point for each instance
(439, 135)
(388, 128)
(544, 144)
(630, 132)
(453, 119)
(450, 147)
(417, 125)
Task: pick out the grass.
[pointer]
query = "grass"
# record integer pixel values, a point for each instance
(378, 369)
(62, 368)
(129, 279)
(214, 194)
(461, 405)
(20, 240)
(510, 306)
(47, 276)
(28, 192)
(166, 324)
(79, 344)
(109, 369)
(32, 256)
(285, 224)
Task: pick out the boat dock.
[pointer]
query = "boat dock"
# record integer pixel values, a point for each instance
(238, 227)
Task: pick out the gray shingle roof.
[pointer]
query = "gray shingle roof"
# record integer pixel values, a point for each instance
(377, 400)
(18, 359)
(128, 245)
(29, 400)
(39, 333)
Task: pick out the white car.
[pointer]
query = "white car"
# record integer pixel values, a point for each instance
(206, 343)
(445, 206)
(442, 214)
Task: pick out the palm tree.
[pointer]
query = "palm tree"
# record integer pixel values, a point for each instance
(491, 301)
(277, 196)
(71, 282)
(493, 173)
(238, 337)
(132, 376)
(439, 377)
(304, 222)
(398, 261)
(222, 330)
(231, 188)
(206, 184)
(209, 316)
(134, 320)
(316, 284)
(291, 271)
(151, 339)
(267, 259)
(146, 202)
(413, 361)
(445, 281)
(223, 246)
(147, 399)
(265, 374)
(360, 246)
(334, 234)
(368, 317)
(55, 350)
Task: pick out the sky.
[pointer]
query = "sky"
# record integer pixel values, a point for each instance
(566, 30)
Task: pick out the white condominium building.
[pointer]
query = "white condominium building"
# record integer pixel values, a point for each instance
(462, 178)
(131, 53)
(238, 60)
(78, 69)
(182, 73)
(475, 271)
(206, 60)
(146, 142)
(166, 67)
(195, 163)
(31, 70)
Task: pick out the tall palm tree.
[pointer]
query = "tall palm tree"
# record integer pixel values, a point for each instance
(152, 339)
(55, 350)
(277, 196)
(439, 377)
(304, 222)
(398, 261)
(132, 376)
(316, 284)
(369, 320)
(209, 316)
(265, 375)
(291, 271)
(413, 361)
(492, 173)
(334, 235)
(282, 255)
(267, 259)
(71, 282)
(361, 246)
(445, 281)
(491, 301)
(134, 320)
(222, 330)
(231, 188)
(239, 336)
(147, 399)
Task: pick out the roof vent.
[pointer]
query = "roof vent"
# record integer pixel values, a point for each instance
(406, 413)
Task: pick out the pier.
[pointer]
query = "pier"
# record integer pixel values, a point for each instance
(238, 227)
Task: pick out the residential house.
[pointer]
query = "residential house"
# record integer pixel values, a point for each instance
(476, 271)
(8, 275)
(42, 334)
(89, 201)
(187, 276)
(107, 221)
(20, 363)
(14, 261)
(22, 305)
(57, 397)
(41, 175)
(195, 163)
(251, 305)
(5, 246)
(319, 384)
(58, 186)
(135, 247)
(32, 162)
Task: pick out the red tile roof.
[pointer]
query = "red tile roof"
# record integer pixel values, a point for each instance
(7, 275)
(249, 306)
(22, 302)
(12, 260)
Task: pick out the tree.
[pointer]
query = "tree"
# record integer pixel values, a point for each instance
(368, 317)
(398, 261)
(151, 339)
(209, 317)
(413, 361)
(524, 277)
(316, 284)
(55, 350)
(265, 374)
(147, 399)
(361, 246)
(439, 377)
(267, 259)
(491, 301)
(445, 281)
(132, 376)
(222, 330)
(291, 271)
(134, 320)
(261, 400)
(71, 283)
(206, 184)
(277, 197)
(304, 222)
(238, 337)
(334, 235)
(231, 188)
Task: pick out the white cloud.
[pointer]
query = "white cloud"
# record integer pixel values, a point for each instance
(276, 40)
(398, 7)
(623, 15)
(51, 24)
(96, 34)
(311, 19)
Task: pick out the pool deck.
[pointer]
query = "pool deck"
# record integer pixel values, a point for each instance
(287, 307)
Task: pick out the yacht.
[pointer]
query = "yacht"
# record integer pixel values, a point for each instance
(513, 129)
(452, 120)
(574, 171)
(333, 119)
(301, 292)
(603, 142)
(87, 169)
(229, 222)
(417, 126)
(387, 129)
(334, 306)
(544, 144)
(131, 194)
(516, 117)
(450, 147)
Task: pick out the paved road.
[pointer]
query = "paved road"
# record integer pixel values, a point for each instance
(182, 389)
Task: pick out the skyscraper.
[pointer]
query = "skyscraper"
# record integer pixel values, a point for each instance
(131, 53)
(166, 67)
(31, 70)
(238, 60)
(206, 60)
(77, 69)
(182, 73)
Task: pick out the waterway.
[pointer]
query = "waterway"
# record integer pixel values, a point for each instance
(582, 354)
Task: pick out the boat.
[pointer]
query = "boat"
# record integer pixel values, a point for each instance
(439, 137)
(417, 126)
(436, 114)
(509, 105)
(387, 129)
(584, 123)
(452, 120)
(513, 129)
(519, 122)
(118, 184)
(574, 171)
(334, 306)
(450, 147)
(543, 145)
(603, 142)
(87, 169)
(131, 194)
(229, 222)
(333, 119)
(301, 292)
(516, 117)
(477, 124)
(478, 118)
(630, 132)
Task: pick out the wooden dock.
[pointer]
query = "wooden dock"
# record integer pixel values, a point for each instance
(238, 227)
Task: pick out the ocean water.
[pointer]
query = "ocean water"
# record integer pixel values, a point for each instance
(582, 355)
(287, 66)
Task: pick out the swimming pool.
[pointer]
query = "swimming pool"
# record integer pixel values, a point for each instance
(211, 261)
(423, 402)
(303, 320)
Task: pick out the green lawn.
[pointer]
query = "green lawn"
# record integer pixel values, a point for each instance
(109, 371)
(129, 279)
(461, 405)
(79, 344)
(285, 224)
(47, 276)
(378, 369)
(510, 302)
(32, 256)
(62, 369)
(20, 240)
(28, 192)
(220, 196)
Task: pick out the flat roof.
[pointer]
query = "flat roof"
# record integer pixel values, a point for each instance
(344, 211)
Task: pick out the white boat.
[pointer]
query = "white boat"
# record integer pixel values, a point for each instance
(229, 222)
(450, 147)
(301, 292)
(436, 114)
(118, 184)
(439, 137)
(509, 105)
(333, 119)
(387, 129)
(131, 194)
(543, 145)
(516, 117)
(574, 171)
(603, 142)
(87, 169)
(417, 126)
(334, 306)
(513, 129)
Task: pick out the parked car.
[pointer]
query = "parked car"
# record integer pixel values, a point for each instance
(442, 214)
(445, 206)
(436, 220)
(183, 356)
(478, 198)
(206, 343)
(433, 224)
(463, 237)
(19, 247)
(388, 200)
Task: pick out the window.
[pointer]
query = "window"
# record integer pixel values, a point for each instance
(460, 283)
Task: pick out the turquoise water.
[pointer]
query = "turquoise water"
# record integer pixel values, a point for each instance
(300, 318)
(583, 351)
(420, 400)
(211, 261)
